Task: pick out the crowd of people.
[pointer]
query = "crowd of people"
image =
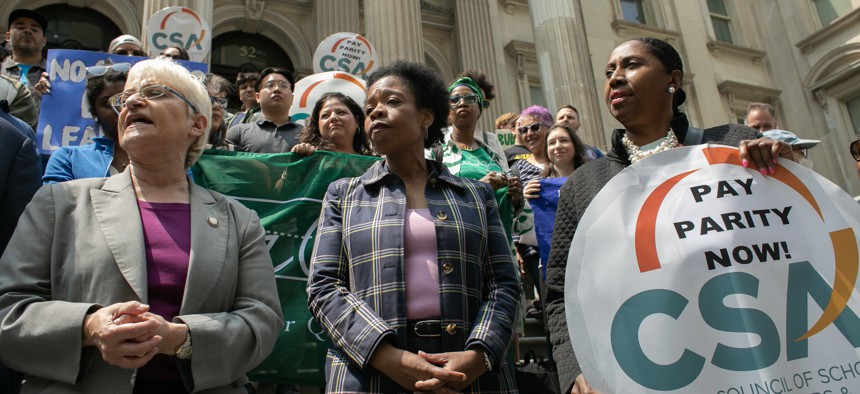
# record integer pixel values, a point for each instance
(115, 264)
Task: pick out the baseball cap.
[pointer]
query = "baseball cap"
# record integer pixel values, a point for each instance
(790, 138)
(24, 13)
(124, 39)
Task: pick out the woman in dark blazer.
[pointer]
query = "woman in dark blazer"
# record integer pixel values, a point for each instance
(411, 275)
(141, 282)
(643, 92)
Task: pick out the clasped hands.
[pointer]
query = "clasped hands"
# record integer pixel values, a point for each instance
(432, 373)
(128, 335)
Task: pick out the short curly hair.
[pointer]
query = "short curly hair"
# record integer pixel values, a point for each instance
(310, 134)
(539, 112)
(427, 87)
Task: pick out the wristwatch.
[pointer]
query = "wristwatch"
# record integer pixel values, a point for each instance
(183, 352)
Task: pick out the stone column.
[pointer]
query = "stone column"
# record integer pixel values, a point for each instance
(394, 29)
(335, 16)
(564, 60)
(478, 50)
(203, 8)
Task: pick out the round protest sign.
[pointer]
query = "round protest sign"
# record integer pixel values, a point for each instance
(347, 52)
(690, 273)
(179, 26)
(309, 89)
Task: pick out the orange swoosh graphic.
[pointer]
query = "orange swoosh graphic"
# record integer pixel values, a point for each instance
(334, 47)
(646, 223)
(846, 255)
(303, 102)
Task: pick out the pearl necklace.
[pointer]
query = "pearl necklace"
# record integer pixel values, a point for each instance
(636, 153)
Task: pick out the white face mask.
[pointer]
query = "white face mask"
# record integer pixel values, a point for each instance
(806, 162)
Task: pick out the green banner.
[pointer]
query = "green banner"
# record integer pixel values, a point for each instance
(286, 191)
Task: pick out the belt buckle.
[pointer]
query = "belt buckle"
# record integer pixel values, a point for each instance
(428, 328)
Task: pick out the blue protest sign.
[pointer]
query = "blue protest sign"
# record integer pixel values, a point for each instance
(544, 208)
(64, 117)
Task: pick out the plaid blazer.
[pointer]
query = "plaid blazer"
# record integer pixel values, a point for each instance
(356, 288)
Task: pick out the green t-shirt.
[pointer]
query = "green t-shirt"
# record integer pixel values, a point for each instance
(475, 164)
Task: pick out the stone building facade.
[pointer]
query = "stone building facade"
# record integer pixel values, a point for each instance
(802, 56)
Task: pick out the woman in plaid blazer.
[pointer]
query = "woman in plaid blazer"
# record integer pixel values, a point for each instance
(400, 320)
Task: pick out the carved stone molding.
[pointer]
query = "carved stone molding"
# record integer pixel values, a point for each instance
(254, 8)
(627, 29)
(718, 48)
(748, 92)
(847, 21)
(512, 6)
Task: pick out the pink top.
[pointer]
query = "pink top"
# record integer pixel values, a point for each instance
(421, 265)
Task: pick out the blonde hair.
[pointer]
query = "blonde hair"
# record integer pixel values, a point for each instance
(178, 78)
(509, 117)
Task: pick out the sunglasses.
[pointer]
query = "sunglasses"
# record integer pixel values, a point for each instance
(855, 150)
(102, 70)
(129, 52)
(221, 101)
(469, 99)
(534, 127)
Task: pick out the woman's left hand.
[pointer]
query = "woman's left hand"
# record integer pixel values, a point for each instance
(172, 334)
(469, 362)
(763, 152)
(303, 149)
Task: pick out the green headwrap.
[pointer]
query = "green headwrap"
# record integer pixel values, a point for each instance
(471, 84)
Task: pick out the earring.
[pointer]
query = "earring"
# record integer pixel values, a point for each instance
(671, 90)
(426, 132)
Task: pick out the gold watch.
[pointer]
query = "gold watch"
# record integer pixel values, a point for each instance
(183, 352)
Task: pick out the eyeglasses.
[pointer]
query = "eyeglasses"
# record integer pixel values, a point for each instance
(221, 101)
(469, 99)
(148, 92)
(102, 70)
(129, 52)
(534, 127)
(271, 84)
(855, 150)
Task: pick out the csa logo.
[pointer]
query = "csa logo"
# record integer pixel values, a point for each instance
(726, 264)
(180, 26)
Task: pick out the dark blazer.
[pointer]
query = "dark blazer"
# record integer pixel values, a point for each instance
(20, 177)
(575, 196)
(80, 245)
(356, 287)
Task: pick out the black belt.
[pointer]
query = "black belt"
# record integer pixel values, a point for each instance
(425, 328)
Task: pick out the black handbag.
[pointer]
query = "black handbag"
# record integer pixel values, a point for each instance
(536, 375)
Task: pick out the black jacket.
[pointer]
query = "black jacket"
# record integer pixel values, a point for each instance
(575, 196)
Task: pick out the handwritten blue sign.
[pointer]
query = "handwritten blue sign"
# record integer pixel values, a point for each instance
(64, 118)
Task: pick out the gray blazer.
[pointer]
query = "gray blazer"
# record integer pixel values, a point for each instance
(79, 244)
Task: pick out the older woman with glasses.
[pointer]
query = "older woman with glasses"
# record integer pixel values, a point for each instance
(219, 89)
(104, 157)
(141, 282)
